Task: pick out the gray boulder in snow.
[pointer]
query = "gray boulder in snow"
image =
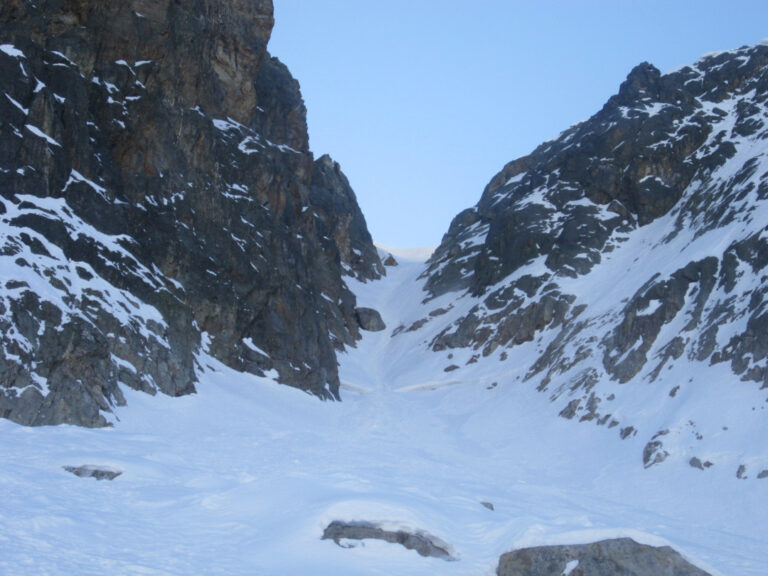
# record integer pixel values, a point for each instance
(616, 557)
(91, 471)
(423, 543)
(370, 319)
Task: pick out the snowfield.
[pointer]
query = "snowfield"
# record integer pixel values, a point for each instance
(243, 477)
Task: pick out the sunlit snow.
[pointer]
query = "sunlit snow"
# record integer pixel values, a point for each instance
(242, 477)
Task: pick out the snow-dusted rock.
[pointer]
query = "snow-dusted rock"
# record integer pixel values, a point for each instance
(93, 471)
(423, 543)
(618, 557)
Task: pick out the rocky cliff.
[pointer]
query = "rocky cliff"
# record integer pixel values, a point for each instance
(158, 195)
(626, 259)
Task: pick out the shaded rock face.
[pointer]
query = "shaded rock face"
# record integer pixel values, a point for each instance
(203, 53)
(156, 200)
(619, 557)
(341, 224)
(634, 239)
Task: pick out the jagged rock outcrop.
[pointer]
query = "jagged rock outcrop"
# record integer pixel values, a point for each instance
(617, 557)
(635, 239)
(157, 198)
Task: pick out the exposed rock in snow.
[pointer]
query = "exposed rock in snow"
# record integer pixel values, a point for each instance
(390, 261)
(423, 543)
(92, 471)
(370, 319)
(618, 557)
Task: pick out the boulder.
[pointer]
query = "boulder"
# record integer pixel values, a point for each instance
(390, 261)
(617, 557)
(423, 543)
(370, 319)
(91, 471)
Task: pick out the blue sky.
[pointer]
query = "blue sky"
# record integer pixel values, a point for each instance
(423, 101)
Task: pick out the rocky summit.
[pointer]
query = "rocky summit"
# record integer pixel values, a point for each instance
(158, 197)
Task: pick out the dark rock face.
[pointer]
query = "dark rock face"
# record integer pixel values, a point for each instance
(157, 200)
(421, 542)
(671, 162)
(619, 557)
(341, 223)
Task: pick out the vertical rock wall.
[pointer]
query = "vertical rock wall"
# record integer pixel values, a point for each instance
(156, 190)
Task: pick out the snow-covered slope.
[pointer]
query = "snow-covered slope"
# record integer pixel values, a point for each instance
(243, 477)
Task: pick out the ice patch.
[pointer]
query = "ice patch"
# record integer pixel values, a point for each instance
(39, 133)
(19, 106)
(515, 179)
(570, 567)
(251, 346)
(406, 254)
(11, 51)
(75, 176)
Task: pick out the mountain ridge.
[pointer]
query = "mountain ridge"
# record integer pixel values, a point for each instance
(658, 204)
